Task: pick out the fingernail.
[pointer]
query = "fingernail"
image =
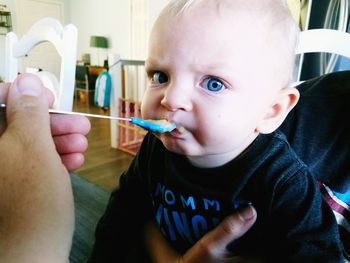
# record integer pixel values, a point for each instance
(247, 213)
(28, 84)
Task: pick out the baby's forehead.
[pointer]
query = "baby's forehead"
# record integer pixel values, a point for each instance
(272, 17)
(252, 8)
(261, 13)
(236, 20)
(235, 15)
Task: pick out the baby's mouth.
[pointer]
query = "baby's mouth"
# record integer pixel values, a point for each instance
(160, 125)
(179, 131)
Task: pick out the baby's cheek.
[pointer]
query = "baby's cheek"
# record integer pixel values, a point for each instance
(145, 113)
(149, 107)
(144, 109)
(212, 131)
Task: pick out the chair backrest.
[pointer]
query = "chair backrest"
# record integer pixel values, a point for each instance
(81, 73)
(64, 39)
(323, 40)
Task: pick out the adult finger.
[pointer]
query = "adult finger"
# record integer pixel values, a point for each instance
(73, 161)
(213, 245)
(67, 124)
(71, 148)
(70, 143)
(212, 248)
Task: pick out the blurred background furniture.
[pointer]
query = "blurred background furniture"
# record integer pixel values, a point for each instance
(326, 14)
(93, 72)
(85, 81)
(129, 82)
(82, 88)
(332, 42)
(64, 39)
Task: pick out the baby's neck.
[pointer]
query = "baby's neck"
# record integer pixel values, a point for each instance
(219, 159)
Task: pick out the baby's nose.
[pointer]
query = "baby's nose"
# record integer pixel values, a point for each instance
(176, 97)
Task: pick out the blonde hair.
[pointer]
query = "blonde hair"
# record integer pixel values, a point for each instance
(180, 6)
(283, 30)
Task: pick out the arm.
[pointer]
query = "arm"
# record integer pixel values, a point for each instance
(36, 204)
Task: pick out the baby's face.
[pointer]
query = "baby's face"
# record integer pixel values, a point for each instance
(211, 76)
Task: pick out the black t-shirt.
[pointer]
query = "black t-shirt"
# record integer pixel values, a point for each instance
(294, 222)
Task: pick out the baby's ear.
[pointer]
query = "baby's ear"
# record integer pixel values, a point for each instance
(285, 101)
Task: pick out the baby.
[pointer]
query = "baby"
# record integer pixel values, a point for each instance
(220, 70)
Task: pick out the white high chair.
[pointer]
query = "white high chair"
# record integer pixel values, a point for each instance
(330, 41)
(64, 39)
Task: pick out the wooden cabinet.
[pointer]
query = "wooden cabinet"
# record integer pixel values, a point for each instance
(93, 72)
(89, 74)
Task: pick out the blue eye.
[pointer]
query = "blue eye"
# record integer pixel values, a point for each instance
(159, 77)
(213, 84)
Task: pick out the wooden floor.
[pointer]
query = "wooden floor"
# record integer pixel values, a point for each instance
(103, 164)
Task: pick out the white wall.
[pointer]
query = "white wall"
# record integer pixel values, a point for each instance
(108, 18)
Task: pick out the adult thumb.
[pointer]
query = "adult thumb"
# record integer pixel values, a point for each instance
(27, 109)
(233, 227)
(213, 245)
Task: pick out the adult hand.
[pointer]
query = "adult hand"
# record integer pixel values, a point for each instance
(36, 200)
(211, 248)
(68, 131)
(69, 135)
